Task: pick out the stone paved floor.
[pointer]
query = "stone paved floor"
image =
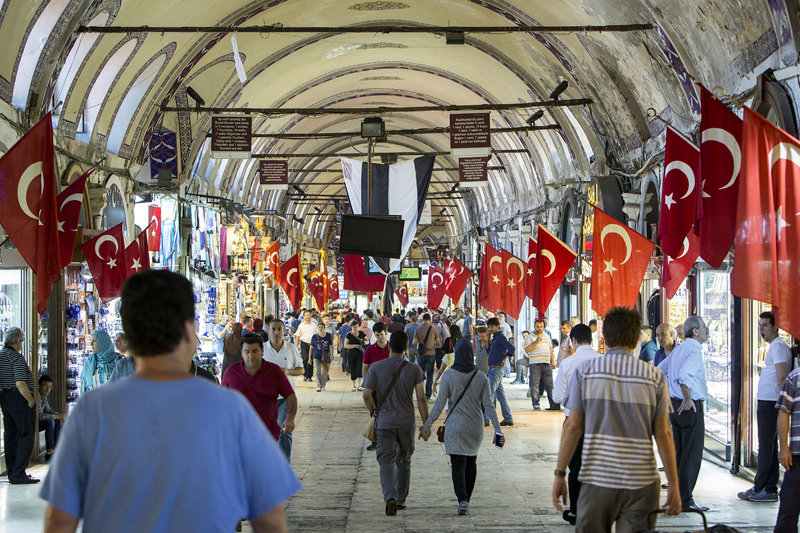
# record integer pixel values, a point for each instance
(342, 490)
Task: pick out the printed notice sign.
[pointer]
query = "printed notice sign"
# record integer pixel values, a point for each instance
(231, 136)
(472, 171)
(470, 134)
(273, 174)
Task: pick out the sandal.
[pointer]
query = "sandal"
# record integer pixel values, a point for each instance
(354, 389)
(360, 388)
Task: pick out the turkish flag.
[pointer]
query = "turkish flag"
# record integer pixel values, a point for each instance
(333, 287)
(675, 270)
(29, 215)
(316, 287)
(619, 262)
(105, 255)
(292, 282)
(273, 259)
(767, 266)
(720, 164)
(530, 282)
(457, 277)
(681, 172)
(435, 286)
(137, 254)
(514, 284)
(402, 295)
(555, 259)
(326, 297)
(70, 203)
(355, 276)
(490, 288)
(154, 234)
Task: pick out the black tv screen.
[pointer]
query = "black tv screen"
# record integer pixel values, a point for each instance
(371, 270)
(372, 236)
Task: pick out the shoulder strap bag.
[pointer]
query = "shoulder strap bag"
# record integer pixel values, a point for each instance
(440, 431)
(369, 430)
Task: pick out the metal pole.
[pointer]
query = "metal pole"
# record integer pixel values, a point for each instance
(369, 176)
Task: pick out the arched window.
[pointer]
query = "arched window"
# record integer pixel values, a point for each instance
(101, 87)
(131, 103)
(33, 50)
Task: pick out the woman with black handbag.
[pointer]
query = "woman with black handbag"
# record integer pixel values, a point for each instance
(321, 344)
(354, 354)
(467, 390)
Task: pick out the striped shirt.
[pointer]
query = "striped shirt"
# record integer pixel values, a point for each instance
(13, 368)
(789, 401)
(620, 396)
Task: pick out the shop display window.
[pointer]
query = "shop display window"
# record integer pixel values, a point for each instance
(12, 283)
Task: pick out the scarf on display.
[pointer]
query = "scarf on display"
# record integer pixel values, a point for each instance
(102, 361)
(464, 358)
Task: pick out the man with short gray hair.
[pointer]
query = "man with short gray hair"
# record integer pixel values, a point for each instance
(17, 403)
(666, 337)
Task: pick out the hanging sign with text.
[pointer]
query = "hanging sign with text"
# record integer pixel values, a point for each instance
(470, 134)
(473, 171)
(231, 137)
(273, 174)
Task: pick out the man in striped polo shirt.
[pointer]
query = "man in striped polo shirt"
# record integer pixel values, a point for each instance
(788, 407)
(618, 403)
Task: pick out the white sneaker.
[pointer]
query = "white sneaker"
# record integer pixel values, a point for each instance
(319, 389)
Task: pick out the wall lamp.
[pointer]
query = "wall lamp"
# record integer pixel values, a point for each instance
(373, 127)
(558, 90)
(536, 116)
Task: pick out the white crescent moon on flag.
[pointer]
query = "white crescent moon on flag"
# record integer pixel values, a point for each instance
(404, 291)
(437, 274)
(685, 248)
(722, 136)
(531, 256)
(517, 261)
(549, 255)
(271, 261)
(493, 259)
(460, 271)
(154, 219)
(622, 232)
(289, 277)
(785, 151)
(314, 276)
(687, 171)
(103, 239)
(334, 285)
(71, 198)
(24, 183)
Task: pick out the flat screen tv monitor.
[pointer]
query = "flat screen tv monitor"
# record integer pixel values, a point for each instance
(410, 274)
(373, 271)
(372, 236)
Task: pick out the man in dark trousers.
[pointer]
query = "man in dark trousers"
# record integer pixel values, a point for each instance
(16, 400)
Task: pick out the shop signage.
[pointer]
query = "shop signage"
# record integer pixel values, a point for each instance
(273, 174)
(425, 218)
(473, 172)
(469, 134)
(231, 137)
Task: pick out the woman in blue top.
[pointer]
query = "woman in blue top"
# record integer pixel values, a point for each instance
(321, 343)
(100, 364)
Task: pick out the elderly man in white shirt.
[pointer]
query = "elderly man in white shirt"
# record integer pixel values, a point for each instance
(285, 355)
(581, 336)
(686, 377)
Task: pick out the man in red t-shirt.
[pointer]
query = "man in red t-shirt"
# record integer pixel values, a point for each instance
(378, 351)
(261, 383)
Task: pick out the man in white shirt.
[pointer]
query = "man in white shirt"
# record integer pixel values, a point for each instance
(541, 363)
(686, 377)
(285, 355)
(581, 336)
(305, 332)
(777, 364)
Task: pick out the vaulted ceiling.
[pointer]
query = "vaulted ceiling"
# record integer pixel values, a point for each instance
(113, 86)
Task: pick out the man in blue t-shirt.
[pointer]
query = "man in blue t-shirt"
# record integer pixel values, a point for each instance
(142, 453)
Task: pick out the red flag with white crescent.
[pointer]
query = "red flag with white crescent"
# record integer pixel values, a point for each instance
(69, 204)
(316, 287)
(273, 259)
(490, 288)
(105, 255)
(681, 172)
(514, 284)
(767, 266)
(292, 282)
(29, 214)
(137, 255)
(333, 287)
(436, 278)
(675, 270)
(530, 281)
(720, 166)
(619, 263)
(402, 295)
(555, 259)
(458, 276)
(154, 235)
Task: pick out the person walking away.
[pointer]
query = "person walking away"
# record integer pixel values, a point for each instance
(222, 329)
(410, 328)
(344, 329)
(321, 345)
(649, 347)
(50, 421)
(499, 350)
(777, 363)
(395, 381)
(541, 365)
(565, 349)
(467, 329)
(449, 355)
(247, 325)
(233, 348)
(788, 407)
(285, 355)
(353, 353)
(99, 366)
(17, 405)
(581, 337)
(466, 390)
(396, 324)
(619, 404)
(305, 332)
(686, 376)
(666, 337)
(258, 329)
(426, 338)
(128, 418)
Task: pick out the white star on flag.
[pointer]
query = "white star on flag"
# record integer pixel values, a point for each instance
(495, 279)
(60, 226)
(511, 283)
(610, 266)
(530, 272)
(669, 201)
(112, 263)
(435, 286)
(780, 221)
(136, 265)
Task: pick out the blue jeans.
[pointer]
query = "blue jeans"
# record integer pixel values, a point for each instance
(51, 430)
(497, 392)
(507, 368)
(285, 439)
(428, 364)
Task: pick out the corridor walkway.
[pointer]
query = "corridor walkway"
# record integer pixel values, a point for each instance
(342, 490)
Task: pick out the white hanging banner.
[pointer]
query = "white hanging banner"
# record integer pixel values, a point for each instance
(238, 60)
(425, 218)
